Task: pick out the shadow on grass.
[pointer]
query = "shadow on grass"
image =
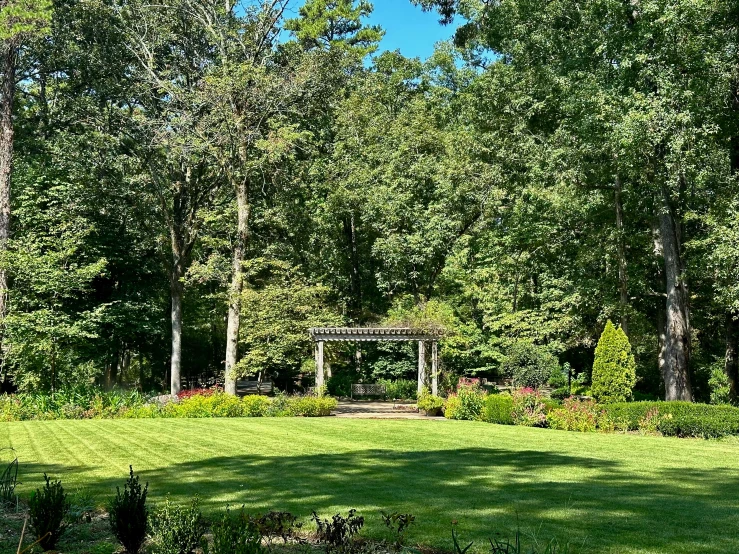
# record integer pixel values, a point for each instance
(489, 491)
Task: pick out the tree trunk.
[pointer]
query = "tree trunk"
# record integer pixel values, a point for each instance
(7, 95)
(237, 283)
(731, 360)
(675, 371)
(621, 248)
(176, 290)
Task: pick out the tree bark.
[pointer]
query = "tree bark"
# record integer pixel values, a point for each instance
(621, 251)
(675, 369)
(731, 360)
(237, 283)
(176, 291)
(7, 94)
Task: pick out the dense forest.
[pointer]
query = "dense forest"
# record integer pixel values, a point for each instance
(187, 186)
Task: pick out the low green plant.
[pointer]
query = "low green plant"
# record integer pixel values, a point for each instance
(575, 415)
(398, 524)
(528, 408)
(177, 529)
(129, 514)
(498, 409)
(234, 533)
(255, 405)
(679, 419)
(9, 480)
(399, 389)
(430, 403)
(467, 404)
(47, 509)
(311, 406)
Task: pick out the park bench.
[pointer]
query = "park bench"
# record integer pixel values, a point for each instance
(361, 389)
(244, 388)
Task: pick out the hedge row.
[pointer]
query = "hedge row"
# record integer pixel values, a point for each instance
(22, 407)
(677, 419)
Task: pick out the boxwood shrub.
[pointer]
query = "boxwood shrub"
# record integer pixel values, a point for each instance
(679, 419)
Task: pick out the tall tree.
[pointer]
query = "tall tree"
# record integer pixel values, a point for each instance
(20, 20)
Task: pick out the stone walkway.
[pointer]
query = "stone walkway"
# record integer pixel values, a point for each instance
(377, 410)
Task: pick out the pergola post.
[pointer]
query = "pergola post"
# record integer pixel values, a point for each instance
(319, 365)
(435, 368)
(421, 366)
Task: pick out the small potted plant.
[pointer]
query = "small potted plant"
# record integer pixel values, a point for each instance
(430, 404)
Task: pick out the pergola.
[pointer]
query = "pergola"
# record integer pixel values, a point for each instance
(321, 335)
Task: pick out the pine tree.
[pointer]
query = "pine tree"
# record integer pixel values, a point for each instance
(614, 368)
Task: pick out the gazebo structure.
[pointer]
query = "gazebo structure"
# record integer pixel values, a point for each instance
(321, 335)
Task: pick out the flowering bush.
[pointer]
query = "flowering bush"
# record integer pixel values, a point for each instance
(528, 408)
(650, 422)
(576, 415)
(468, 382)
(466, 404)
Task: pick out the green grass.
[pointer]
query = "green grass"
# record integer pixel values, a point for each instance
(610, 493)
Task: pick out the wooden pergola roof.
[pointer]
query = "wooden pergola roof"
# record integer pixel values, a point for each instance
(356, 334)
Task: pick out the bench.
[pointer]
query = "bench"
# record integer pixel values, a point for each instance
(244, 388)
(361, 389)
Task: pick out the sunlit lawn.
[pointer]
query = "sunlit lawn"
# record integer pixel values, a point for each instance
(610, 493)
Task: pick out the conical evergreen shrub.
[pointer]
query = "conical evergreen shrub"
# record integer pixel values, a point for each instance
(614, 368)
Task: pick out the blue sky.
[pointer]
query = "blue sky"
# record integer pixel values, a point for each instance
(408, 28)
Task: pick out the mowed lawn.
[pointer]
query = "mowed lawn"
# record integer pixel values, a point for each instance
(602, 493)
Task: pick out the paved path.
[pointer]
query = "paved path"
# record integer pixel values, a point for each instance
(377, 410)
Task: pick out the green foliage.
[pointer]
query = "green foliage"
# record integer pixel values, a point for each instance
(8, 479)
(680, 419)
(529, 365)
(719, 385)
(575, 415)
(614, 368)
(277, 309)
(129, 514)
(48, 509)
(399, 389)
(498, 409)
(336, 23)
(234, 533)
(21, 18)
(528, 408)
(430, 403)
(467, 403)
(177, 529)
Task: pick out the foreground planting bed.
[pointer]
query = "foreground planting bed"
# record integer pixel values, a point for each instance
(612, 493)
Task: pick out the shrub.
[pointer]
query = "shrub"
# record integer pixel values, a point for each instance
(718, 382)
(451, 410)
(529, 365)
(48, 508)
(498, 409)
(340, 384)
(338, 533)
(129, 515)
(311, 406)
(398, 524)
(614, 368)
(528, 408)
(234, 533)
(430, 403)
(680, 419)
(254, 405)
(561, 393)
(575, 415)
(399, 389)
(466, 404)
(177, 530)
